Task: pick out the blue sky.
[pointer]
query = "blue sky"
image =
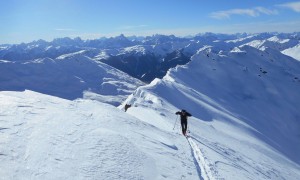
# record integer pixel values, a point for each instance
(28, 20)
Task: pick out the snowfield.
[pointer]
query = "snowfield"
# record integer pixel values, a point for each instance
(45, 137)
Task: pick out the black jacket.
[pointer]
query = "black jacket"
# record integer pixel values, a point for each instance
(183, 115)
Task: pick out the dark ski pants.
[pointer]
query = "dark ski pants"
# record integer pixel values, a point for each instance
(184, 126)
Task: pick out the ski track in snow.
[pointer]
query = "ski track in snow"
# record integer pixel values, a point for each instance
(231, 158)
(201, 162)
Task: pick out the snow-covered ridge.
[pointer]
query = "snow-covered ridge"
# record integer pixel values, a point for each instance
(244, 107)
(276, 39)
(70, 55)
(275, 43)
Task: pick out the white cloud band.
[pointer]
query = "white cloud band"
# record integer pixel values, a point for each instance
(295, 6)
(254, 12)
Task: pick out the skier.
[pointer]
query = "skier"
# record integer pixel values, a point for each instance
(183, 117)
(127, 106)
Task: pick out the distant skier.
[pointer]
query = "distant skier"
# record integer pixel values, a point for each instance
(183, 117)
(127, 106)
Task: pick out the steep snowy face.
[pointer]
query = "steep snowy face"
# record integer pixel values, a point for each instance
(69, 77)
(245, 100)
(259, 88)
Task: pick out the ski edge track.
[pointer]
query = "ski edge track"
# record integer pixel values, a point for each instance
(200, 158)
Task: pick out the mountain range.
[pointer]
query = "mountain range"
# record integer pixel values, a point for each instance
(148, 57)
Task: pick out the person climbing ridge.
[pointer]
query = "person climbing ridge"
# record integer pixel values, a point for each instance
(127, 106)
(183, 117)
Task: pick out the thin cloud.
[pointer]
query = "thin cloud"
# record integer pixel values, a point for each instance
(295, 6)
(254, 12)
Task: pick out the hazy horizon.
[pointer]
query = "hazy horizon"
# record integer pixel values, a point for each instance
(142, 36)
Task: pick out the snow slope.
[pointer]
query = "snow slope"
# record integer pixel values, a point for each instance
(45, 137)
(293, 52)
(245, 107)
(68, 76)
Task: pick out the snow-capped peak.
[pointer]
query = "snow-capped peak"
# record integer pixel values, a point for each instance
(276, 39)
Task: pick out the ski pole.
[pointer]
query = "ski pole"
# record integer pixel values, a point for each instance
(175, 123)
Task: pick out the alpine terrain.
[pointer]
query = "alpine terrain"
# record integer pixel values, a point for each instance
(62, 110)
